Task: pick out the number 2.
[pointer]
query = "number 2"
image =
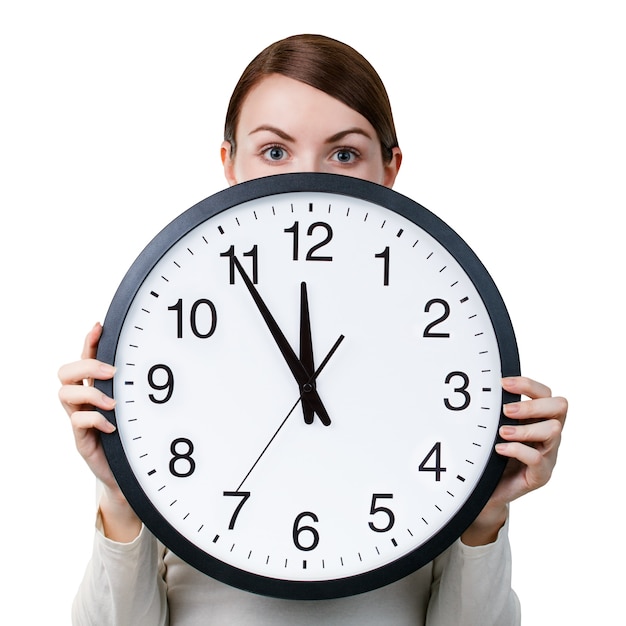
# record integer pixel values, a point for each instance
(444, 316)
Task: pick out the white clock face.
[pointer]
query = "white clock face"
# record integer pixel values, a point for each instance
(341, 441)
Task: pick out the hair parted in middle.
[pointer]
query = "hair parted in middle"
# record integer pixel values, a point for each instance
(325, 64)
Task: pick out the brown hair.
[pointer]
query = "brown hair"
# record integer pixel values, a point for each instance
(325, 64)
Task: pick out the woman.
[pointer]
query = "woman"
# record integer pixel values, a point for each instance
(306, 103)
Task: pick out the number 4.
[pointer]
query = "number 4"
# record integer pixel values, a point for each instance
(436, 452)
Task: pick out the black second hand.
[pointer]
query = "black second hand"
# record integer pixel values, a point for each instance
(269, 443)
(315, 375)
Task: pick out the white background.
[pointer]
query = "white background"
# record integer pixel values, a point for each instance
(511, 119)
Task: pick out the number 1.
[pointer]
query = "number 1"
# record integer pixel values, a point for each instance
(384, 255)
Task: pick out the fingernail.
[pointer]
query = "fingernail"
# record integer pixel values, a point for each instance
(106, 369)
(511, 409)
(111, 427)
(509, 382)
(507, 431)
(110, 402)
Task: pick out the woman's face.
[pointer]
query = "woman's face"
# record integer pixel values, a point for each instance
(287, 126)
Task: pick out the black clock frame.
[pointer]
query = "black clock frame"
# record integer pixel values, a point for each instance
(211, 206)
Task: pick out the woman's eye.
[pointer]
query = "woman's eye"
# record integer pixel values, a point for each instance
(275, 153)
(345, 156)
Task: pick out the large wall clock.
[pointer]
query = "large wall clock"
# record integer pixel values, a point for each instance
(308, 386)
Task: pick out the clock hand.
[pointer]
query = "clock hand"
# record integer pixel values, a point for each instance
(327, 357)
(303, 378)
(268, 444)
(306, 349)
(312, 379)
(324, 362)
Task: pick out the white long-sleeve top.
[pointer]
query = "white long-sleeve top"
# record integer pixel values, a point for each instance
(144, 584)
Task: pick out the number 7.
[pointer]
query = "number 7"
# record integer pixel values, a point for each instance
(242, 494)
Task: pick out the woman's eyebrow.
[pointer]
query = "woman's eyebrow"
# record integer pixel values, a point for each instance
(332, 139)
(272, 129)
(349, 131)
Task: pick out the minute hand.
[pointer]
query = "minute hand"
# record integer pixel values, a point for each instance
(305, 380)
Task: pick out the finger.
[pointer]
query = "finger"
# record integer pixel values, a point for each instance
(540, 408)
(527, 455)
(90, 347)
(526, 387)
(538, 467)
(75, 396)
(85, 421)
(75, 373)
(546, 432)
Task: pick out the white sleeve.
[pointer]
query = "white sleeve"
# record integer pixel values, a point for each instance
(123, 584)
(472, 585)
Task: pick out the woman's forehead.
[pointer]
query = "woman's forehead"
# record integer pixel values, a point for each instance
(286, 104)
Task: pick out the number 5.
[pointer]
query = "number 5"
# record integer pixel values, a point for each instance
(382, 509)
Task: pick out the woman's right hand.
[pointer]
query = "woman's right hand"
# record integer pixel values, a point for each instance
(81, 399)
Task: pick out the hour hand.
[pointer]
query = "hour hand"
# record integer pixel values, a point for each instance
(305, 381)
(306, 351)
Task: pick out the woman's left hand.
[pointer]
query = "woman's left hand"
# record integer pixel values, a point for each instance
(531, 446)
